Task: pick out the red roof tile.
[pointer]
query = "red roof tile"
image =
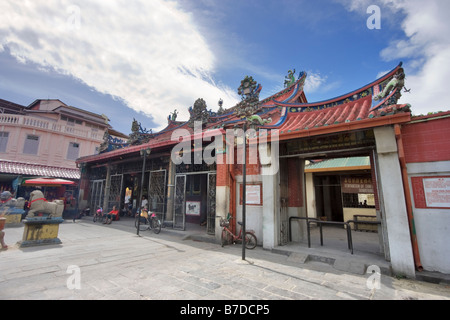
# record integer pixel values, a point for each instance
(350, 112)
(23, 168)
(290, 112)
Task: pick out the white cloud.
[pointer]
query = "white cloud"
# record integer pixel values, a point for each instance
(381, 73)
(318, 84)
(147, 53)
(425, 49)
(314, 81)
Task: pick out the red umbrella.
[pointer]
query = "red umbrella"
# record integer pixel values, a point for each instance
(48, 182)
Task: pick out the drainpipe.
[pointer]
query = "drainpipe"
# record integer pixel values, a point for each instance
(406, 190)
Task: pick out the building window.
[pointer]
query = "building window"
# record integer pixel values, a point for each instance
(71, 121)
(73, 151)
(3, 141)
(31, 145)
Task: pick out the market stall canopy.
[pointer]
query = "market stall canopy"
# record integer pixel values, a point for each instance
(47, 182)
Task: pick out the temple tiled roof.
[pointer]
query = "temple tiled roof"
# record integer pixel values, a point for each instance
(347, 113)
(366, 107)
(290, 113)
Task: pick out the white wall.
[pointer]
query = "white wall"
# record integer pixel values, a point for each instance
(253, 213)
(432, 225)
(393, 201)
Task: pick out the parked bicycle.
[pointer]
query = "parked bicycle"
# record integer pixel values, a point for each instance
(98, 215)
(149, 220)
(228, 237)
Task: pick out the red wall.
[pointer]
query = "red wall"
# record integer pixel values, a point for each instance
(429, 140)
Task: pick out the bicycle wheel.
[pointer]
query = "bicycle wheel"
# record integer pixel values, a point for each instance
(250, 240)
(143, 225)
(156, 225)
(225, 238)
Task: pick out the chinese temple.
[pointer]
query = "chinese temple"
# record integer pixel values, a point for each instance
(191, 172)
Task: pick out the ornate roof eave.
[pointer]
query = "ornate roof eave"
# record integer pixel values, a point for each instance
(135, 149)
(370, 106)
(296, 90)
(373, 114)
(341, 97)
(346, 126)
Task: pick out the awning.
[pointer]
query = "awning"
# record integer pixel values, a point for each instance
(54, 182)
(32, 169)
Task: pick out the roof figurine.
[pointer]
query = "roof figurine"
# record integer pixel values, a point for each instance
(199, 113)
(173, 115)
(289, 80)
(249, 91)
(221, 110)
(395, 86)
(138, 134)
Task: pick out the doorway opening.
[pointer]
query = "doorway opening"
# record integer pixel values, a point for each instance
(343, 195)
(195, 201)
(335, 189)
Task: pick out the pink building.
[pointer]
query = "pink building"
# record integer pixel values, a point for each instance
(44, 139)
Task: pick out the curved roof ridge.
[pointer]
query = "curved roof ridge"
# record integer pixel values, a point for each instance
(294, 86)
(343, 96)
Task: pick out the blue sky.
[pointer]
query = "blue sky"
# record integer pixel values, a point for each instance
(143, 59)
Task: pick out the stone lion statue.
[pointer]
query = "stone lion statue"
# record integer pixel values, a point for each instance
(38, 204)
(7, 201)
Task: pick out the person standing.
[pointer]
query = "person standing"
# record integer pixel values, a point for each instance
(144, 202)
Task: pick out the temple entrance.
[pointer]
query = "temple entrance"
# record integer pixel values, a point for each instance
(327, 192)
(330, 189)
(195, 198)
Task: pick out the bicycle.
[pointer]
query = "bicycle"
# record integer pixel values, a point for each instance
(228, 237)
(148, 221)
(98, 215)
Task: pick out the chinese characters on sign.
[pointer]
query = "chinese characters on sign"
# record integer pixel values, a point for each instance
(356, 185)
(437, 192)
(253, 194)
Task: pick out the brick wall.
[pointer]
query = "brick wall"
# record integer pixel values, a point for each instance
(427, 141)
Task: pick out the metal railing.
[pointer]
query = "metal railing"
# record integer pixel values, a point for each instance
(49, 125)
(345, 224)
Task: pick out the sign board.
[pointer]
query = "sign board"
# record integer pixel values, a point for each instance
(253, 194)
(437, 192)
(193, 208)
(351, 184)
